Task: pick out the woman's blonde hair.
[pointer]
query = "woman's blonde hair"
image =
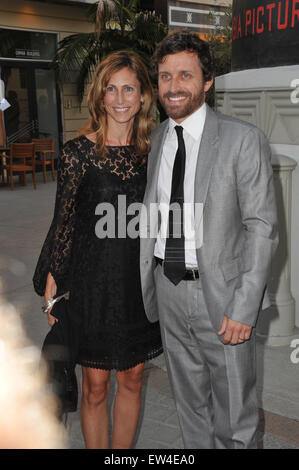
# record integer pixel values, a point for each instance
(98, 117)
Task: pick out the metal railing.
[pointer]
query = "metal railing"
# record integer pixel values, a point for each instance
(26, 130)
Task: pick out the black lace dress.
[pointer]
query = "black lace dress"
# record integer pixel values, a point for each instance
(92, 251)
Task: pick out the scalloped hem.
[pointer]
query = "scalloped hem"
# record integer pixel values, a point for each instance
(116, 365)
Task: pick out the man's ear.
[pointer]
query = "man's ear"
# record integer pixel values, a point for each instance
(208, 84)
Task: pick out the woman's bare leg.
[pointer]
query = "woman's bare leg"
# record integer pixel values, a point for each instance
(94, 412)
(127, 407)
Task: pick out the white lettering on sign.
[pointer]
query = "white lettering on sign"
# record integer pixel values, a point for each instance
(189, 17)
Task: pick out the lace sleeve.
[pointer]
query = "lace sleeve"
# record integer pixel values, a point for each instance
(56, 251)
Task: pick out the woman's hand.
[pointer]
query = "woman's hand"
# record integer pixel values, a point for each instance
(50, 291)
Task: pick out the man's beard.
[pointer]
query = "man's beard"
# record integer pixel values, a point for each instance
(180, 112)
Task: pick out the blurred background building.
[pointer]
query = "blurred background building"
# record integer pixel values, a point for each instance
(192, 14)
(29, 34)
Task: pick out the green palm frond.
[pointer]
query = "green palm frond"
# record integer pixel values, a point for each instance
(71, 54)
(91, 13)
(149, 31)
(88, 65)
(149, 27)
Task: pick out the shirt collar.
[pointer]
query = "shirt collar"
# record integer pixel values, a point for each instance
(193, 125)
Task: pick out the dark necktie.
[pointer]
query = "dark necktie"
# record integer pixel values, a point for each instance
(174, 260)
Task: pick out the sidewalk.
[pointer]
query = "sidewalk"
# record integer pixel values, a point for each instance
(25, 216)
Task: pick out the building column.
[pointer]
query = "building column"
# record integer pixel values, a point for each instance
(264, 97)
(276, 325)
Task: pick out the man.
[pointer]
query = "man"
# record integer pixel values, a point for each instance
(207, 282)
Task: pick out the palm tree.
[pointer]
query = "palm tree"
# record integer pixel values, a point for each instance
(119, 24)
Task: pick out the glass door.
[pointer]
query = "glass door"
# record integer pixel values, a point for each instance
(30, 89)
(46, 104)
(18, 118)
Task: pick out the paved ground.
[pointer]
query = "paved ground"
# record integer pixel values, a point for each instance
(25, 216)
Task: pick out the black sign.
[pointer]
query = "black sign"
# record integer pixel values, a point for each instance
(27, 45)
(265, 33)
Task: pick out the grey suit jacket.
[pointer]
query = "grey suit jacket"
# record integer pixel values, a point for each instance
(234, 182)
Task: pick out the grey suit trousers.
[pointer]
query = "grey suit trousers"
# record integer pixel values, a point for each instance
(214, 385)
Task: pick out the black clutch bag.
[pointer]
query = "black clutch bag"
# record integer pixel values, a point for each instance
(59, 351)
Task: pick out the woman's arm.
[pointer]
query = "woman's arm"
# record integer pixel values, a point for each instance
(52, 270)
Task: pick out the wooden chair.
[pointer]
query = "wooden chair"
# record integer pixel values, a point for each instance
(44, 147)
(21, 160)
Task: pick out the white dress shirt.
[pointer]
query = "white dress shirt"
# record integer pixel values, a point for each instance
(192, 132)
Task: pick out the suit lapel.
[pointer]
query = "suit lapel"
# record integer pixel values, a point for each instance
(208, 152)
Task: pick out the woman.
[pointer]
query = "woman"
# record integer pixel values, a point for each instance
(105, 169)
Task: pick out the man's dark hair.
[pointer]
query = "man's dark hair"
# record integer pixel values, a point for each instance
(184, 40)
